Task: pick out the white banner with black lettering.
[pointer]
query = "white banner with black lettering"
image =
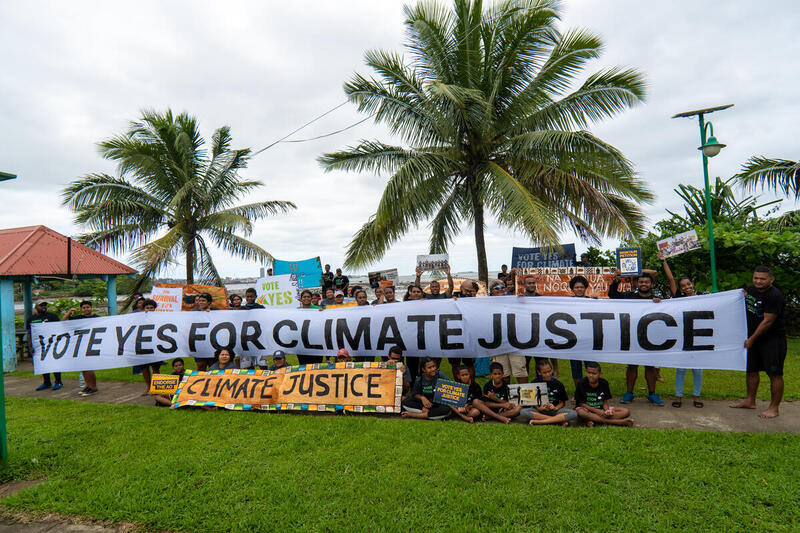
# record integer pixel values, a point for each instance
(697, 332)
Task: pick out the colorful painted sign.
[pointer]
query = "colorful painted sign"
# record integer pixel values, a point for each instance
(277, 291)
(308, 271)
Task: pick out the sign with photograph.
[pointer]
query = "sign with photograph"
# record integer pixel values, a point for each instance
(375, 278)
(433, 261)
(533, 394)
(629, 261)
(678, 244)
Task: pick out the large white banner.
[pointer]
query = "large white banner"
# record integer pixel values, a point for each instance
(697, 332)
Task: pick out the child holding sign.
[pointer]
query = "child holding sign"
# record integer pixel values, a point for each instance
(420, 403)
(468, 413)
(553, 410)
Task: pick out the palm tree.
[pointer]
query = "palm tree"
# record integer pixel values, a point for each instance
(488, 125)
(171, 198)
(777, 175)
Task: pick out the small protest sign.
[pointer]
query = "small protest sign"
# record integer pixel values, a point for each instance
(629, 261)
(678, 244)
(165, 384)
(219, 296)
(375, 278)
(277, 291)
(450, 393)
(543, 257)
(169, 299)
(433, 261)
(308, 271)
(533, 394)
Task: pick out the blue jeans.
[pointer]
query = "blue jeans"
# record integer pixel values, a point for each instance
(697, 381)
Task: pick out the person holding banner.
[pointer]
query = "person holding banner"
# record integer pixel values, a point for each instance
(682, 288)
(149, 306)
(250, 296)
(235, 301)
(329, 299)
(766, 340)
(578, 286)
(306, 300)
(644, 284)
(513, 364)
(89, 377)
(436, 289)
(202, 303)
(420, 403)
(224, 360)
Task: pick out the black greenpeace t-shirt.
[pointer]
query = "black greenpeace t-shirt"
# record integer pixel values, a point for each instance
(615, 294)
(40, 319)
(327, 281)
(501, 392)
(771, 301)
(556, 392)
(339, 283)
(592, 396)
(474, 392)
(425, 387)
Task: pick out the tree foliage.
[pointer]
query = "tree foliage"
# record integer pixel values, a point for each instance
(171, 198)
(490, 123)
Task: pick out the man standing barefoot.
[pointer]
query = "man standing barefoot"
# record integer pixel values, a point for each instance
(766, 340)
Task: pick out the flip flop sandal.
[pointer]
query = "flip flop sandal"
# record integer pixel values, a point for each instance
(676, 403)
(697, 404)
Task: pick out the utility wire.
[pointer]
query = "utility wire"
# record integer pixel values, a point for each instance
(300, 128)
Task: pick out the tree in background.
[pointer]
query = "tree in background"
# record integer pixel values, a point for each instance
(490, 126)
(172, 199)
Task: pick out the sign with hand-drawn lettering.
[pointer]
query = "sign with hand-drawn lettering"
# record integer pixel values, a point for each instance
(308, 272)
(555, 281)
(358, 387)
(450, 393)
(168, 299)
(163, 384)
(277, 291)
(219, 296)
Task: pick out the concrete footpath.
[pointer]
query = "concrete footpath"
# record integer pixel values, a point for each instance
(715, 416)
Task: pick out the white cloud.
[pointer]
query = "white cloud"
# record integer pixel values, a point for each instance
(80, 71)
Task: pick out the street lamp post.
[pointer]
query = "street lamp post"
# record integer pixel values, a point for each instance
(709, 147)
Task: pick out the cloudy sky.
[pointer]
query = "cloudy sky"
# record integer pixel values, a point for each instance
(77, 72)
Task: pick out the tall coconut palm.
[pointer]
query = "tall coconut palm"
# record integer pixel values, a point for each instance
(490, 126)
(777, 175)
(171, 199)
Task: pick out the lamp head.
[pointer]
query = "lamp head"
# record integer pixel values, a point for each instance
(711, 147)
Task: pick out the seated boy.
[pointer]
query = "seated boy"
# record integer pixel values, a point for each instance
(278, 360)
(494, 403)
(178, 369)
(591, 398)
(468, 413)
(553, 410)
(420, 403)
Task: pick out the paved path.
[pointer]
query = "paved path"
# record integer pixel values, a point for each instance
(715, 416)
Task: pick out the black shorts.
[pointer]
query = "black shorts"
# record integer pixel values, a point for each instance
(767, 355)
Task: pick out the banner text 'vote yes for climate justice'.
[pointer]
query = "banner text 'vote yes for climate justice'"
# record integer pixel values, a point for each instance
(699, 332)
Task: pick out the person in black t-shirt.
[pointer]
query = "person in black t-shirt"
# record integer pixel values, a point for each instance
(178, 369)
(644, 284)
(468, 413)
(327, 279)
(592, 397)
(436, 289)
(420, 403)
(39, 316)
(766, 340)
(553, 411)
(503, 274)
(340, 282)
(495, 397)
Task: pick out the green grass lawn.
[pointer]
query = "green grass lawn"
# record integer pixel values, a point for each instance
(720, 384)
(225, 471)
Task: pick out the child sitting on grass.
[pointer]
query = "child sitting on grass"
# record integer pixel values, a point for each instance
(553, 410)
(591, 398)
(420, 403)
(178, 369)
(468, 413)
(495, 397)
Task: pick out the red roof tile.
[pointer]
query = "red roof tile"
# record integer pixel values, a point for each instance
(40, 251)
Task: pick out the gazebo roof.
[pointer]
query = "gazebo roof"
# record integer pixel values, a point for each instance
(40, 251)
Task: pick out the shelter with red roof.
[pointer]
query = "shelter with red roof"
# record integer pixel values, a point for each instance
(37, 251)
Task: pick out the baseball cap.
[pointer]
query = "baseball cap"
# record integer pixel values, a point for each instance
(342, 352)
(338, 293)
(280, 354)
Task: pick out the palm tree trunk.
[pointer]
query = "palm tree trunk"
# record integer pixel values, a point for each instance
(480, 241)
(191, 257)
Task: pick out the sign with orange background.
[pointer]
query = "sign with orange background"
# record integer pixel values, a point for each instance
(219, 296)
(372, 387)
(552, 281)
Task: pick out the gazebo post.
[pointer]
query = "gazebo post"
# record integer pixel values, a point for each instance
(111, 294)
(7, 345)
(27, 298)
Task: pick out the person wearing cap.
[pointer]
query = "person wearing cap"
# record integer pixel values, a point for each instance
(278, 360)
(39, 316)
(338, 298)
(340, 282)
(343, 356)
(584, 262)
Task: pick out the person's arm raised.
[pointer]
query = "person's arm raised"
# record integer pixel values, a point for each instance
(673, 287)
(419, 275)
(450, 285)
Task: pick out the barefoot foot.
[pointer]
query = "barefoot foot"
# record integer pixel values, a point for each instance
(769, 413)
(743, 404)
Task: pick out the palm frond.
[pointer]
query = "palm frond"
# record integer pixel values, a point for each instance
(777, 175)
